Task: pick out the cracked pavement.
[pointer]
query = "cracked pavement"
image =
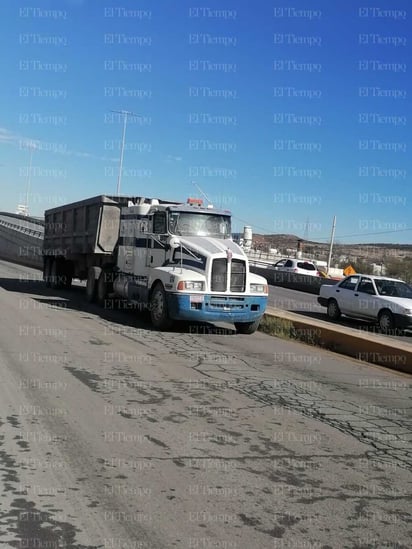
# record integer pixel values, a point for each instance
(113, 435)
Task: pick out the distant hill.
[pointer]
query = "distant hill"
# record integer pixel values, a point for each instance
(372, 252)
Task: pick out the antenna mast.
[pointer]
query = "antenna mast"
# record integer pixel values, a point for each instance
(125, 115)
(201, 192)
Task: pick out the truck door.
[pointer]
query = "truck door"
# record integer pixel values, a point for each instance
(157, 251)
(141, 247)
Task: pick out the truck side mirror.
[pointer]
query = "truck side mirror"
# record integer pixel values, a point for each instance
(174, 242)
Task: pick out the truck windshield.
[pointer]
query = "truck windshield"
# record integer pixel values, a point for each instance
(199, 224)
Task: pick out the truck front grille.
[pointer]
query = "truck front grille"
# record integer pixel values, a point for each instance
(238, 277)
(219, 275)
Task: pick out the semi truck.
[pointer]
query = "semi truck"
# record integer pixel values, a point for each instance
(177, 260)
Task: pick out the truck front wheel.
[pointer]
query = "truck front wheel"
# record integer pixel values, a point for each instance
(159, 314)
(247, 327)
(104, 286)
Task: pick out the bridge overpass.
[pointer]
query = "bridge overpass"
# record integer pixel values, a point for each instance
(21, 239)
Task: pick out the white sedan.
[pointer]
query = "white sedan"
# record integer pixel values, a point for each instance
(387, 301)
(298, 266)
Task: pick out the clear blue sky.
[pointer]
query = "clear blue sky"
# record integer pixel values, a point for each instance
(286, 112)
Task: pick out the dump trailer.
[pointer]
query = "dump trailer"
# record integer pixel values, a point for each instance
(176, 259)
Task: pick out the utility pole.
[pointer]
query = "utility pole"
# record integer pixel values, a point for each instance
(125, 115)
(332, 236)
(32, 146)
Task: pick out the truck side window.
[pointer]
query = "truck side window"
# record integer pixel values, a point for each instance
(159, 223)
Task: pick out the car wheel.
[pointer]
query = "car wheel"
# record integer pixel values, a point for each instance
(333, 311)
(159, 314)
(386, 322)
(247, 327)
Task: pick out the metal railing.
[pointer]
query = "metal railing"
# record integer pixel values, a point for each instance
(21, 228)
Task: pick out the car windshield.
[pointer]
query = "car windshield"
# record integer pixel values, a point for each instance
(199, 224)
(393, 288)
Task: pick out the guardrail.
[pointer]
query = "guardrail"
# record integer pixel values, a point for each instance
(21, 228)
(27, 218)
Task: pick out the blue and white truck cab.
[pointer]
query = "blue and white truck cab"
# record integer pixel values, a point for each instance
(181, 261)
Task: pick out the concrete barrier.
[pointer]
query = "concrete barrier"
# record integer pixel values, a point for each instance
(367, 347)
(293, 281)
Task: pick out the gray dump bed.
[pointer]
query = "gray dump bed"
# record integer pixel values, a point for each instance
(90, 226)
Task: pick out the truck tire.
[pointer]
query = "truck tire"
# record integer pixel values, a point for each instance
(102, 288)
(47, 272)
(91, 286)
(247, 327)
(66, 274)
(54, 274)
(159, 314)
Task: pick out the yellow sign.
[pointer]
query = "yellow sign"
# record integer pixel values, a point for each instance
(349, 270)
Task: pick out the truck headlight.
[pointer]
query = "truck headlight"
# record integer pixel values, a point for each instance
(195, 285)
(259, 288)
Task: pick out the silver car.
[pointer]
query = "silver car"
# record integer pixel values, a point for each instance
(298, 266)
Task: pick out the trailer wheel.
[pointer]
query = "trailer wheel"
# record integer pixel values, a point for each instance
(247, 327)
(54, 275)
(159, 314)
(67, 274)
(91, 286)
(47, 272)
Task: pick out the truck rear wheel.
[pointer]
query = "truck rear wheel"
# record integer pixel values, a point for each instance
(47, 272)
(159, 314)
(247, 327)
(67, 274)
(91, 286)
(54, 274)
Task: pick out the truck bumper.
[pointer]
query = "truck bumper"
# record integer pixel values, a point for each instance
(216, 308)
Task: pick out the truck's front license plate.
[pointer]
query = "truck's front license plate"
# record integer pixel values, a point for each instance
(197, 298)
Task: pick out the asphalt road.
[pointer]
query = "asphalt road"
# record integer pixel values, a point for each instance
(116, 436)
(307, 304)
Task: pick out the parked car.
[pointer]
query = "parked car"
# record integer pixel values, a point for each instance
(387, 301)
(299, 266)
